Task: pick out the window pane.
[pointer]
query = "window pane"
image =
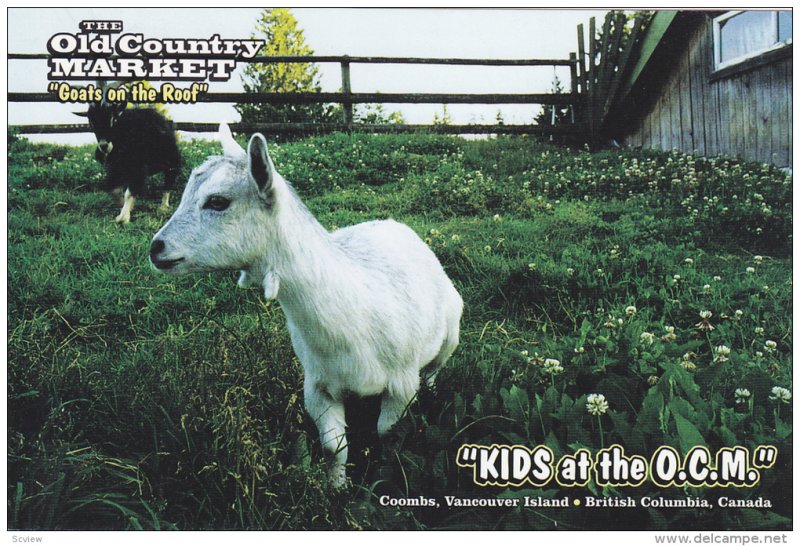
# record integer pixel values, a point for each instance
(784, 25)
(744, 33)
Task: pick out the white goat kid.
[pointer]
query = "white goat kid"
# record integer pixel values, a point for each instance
(368, 307)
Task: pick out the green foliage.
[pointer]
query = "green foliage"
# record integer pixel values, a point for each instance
(278, 27)
(145, 401)
(444, 119)
(552, 115)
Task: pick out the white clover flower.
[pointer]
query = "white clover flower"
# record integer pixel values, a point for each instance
(596, 404)
(738, 314)
(688, 365)
(759, 355)
(455, 238)
(676, 278)
(758, 259)
(487, 248)
(598, 272)
(580, 350)
(759, 330)
(434, 232)
(524, 353)
(670, 335)
(750, 270)
(717, 278)
(779, 394)
(706, 288)
(497, 218)
(705, 314)
(721, 353)
(652, 380)
(552, 366)
(532, 266)
(688, 261)
(630, 310)
(647, 338)
(742, 395)
(770, 346)
(570, 271)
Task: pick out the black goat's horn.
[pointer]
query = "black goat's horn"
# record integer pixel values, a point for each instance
(81, 114)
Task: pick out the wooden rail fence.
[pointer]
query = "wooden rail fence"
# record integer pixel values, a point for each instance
(595, 77)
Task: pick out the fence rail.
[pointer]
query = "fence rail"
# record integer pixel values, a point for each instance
(358, 98)
(312, 128)
(348, 59)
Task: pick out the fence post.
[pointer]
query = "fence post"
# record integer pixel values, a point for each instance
(347, 106)
(592, 87)
(573, 76)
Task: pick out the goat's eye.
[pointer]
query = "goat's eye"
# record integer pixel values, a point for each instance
(216, 202)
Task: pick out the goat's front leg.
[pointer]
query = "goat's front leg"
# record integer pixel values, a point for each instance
(328, 415)
(124, 216)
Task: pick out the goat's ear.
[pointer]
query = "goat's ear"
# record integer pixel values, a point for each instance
(230, 147)
(260, 165)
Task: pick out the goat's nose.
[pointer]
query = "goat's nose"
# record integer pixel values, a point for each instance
(156, 248)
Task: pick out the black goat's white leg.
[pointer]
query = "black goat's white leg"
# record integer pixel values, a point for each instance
(170, 175)
(124, 216)
(328, 415)
(164, 202)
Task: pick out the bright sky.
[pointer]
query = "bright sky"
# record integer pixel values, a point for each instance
(470, 33)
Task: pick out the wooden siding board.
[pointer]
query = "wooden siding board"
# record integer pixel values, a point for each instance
(752, 127)
(763, 117)
(664, 121)
(787, 119)
(776, 77)
(712, 122)
(699, 87)
(728, 125)
(676, 138)
(687, 102)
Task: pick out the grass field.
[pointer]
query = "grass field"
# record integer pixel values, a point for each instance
(659, 280)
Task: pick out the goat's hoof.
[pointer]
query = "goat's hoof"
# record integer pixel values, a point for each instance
(122, 219)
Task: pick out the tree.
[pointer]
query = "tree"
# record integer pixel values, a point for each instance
(279, 28)
(554, 114)
(376, 114)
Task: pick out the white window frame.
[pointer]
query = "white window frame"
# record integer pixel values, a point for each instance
(718, 64)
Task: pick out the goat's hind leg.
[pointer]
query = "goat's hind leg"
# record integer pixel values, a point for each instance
(169, 182)
(396, 399)
(328, 415)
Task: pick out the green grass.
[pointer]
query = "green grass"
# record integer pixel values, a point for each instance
(144, 401)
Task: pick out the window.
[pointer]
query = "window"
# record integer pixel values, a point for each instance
(742, 35)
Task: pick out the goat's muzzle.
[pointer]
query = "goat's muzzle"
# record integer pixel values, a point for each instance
(156, 248)
(105, 146)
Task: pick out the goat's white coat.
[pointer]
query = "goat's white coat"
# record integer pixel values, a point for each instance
(367, 306)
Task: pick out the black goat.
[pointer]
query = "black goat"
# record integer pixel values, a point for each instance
(133, 144)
